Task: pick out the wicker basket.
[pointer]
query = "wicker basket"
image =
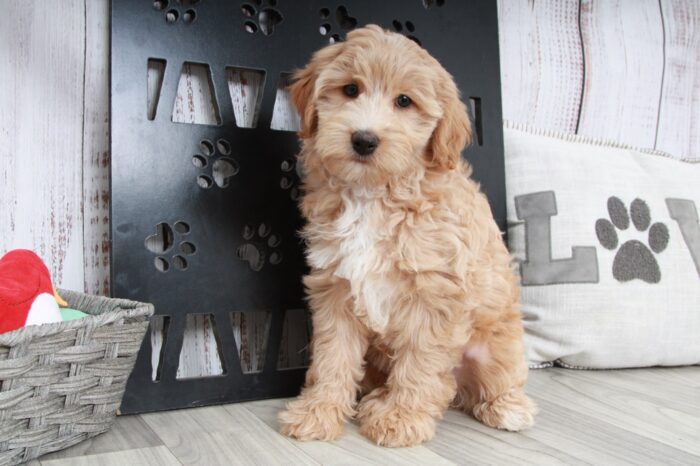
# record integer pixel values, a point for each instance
(62, 383)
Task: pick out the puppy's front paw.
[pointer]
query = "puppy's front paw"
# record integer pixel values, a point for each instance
(392, 426)
(512, 411)
(307, 419)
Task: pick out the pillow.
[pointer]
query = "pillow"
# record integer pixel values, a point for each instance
(607, 241)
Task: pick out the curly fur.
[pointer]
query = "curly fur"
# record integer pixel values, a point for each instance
(413, 298)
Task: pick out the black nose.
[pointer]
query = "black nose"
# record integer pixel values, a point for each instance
(364, 142)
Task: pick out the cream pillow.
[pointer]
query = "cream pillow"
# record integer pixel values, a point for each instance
(607, 242)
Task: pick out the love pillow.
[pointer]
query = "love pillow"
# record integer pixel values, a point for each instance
(607, 242)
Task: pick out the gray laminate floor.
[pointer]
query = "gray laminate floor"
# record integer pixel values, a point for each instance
(640, 416)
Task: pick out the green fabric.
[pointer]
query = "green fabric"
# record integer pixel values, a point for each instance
(71, 314)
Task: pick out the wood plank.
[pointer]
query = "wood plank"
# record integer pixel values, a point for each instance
(199, 356)
(154, 456)
(559, 436)
(641, 414)
(195, 102)
(155, 71)
(245, 90)
(679, 116)
(463, 439)
(96, 158)
(209, 419)
(688, 376)
(128, 432)
(284, 115)
(623, 52)
(157, 329)
(221, 448)
(250, 332)
(219, 435)
(541, 62)
(41, 69)
(352, 448)
(664, 386)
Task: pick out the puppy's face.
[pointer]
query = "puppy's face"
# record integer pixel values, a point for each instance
(378, 107)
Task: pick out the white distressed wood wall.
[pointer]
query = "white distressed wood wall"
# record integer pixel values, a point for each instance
(625, 70)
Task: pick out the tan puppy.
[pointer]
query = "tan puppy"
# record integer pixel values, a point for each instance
(411, 288)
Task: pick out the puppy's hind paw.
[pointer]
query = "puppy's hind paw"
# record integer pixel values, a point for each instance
(307, 420)
(513, 411)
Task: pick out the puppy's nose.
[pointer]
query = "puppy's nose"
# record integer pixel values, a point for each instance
(364, 142)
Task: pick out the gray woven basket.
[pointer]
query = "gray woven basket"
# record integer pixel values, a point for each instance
(62, 383)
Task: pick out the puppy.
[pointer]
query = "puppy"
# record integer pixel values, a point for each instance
(413, 299)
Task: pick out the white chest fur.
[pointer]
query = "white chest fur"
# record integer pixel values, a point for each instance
(356, 248)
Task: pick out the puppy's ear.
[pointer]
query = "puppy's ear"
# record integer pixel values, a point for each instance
(303, 88)
(453, 131)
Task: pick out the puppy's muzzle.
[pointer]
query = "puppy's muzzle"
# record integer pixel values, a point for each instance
(364, 143)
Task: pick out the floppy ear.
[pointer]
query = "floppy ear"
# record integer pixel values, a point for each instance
(303, 88)
(453, 131)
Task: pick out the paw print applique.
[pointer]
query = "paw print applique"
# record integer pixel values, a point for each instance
(291, 176)
(178, 9)
(343, 22)
(260, 247)
(407, 29)
(163, 241)
(263, 16)
(634, 259)
(216, 165)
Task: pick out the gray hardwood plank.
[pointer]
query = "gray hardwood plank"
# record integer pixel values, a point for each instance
(208, 419)
(352, 448)
(153, 456)
(464, 440)
(593, 441)
(665, 377)
(128, 432)
(559, 436)
(225, 448)
(663, 385)
(689, 376)
(223, 435)
(661, 420)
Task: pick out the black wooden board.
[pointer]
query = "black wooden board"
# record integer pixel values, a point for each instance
(154, 180)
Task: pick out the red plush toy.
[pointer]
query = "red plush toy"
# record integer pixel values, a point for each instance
(27, 296)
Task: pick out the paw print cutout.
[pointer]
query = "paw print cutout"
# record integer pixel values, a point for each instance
(260, 247)
(178, 9)
(407, 29)
(262, 16)
(216, 164)
(634, 259)
(291, 176)
(428, 4)
(163, 243)
(343, 22)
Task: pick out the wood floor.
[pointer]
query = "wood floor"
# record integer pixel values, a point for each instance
(640, 416)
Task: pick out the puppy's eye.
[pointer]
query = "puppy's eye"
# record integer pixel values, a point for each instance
(351, 90)
(403, 101)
